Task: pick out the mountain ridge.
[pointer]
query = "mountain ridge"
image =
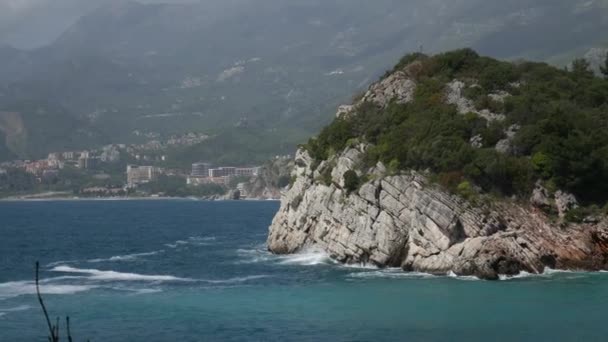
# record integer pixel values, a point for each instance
(309, 57)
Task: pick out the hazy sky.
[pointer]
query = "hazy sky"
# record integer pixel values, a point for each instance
(31, 23)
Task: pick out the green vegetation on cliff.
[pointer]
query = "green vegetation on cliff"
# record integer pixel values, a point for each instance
(553, 121)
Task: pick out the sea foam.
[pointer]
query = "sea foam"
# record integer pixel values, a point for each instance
(4, 312)
(193, 240)
(391, 274)
(117, 276)
(20, 288)
(236, 280)
(309, 257)
(127, 257)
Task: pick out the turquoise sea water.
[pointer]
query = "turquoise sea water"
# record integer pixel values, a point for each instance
(198, 271)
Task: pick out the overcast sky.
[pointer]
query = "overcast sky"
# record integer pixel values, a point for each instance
(31, 23)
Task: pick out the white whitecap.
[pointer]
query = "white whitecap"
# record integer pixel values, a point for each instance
(136, 291)
(193, 240)
(255, 255)
(20, 288)
(451, 274)
(127, 257)
(147, 291)
(548, 273)
(551, 271)
(361, 266)
(17, 308)
(117, 276)
(520, 275)
(235, 280)
(391, 274)
(60, 262)
(202, 238)
(309, 257)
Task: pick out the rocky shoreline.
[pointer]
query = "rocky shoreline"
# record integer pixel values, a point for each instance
(406, 221)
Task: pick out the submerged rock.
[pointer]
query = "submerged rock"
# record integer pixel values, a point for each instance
(405, 221)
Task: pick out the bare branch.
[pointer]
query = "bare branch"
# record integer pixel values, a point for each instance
(67, 319)
(57, 330)
(52, 338)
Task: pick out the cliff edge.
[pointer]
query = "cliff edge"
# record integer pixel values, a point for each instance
(404, 221)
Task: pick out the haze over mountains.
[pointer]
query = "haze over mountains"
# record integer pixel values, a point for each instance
(259, 76)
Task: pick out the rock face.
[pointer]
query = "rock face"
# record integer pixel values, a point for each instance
(398, 87)
(455, 95)
(404, 221)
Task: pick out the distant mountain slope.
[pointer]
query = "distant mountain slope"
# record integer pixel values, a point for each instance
(281, 66)
(31, 130)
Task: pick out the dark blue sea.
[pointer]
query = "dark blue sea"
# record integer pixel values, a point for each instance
(199, 271)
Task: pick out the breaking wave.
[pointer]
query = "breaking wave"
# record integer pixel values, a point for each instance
(128, 257)
(236, 280)
(99, 275)
(17, 308)
(310, 257)
(451, 274)
(257, 254)
(391, 274)
(20, 288)
(549, 273)
(4, 312)
(193, 240)
(117, 276)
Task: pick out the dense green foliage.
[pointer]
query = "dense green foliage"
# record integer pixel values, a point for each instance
(32, 129)
(351, 180)
(16, 181)
(563, 116)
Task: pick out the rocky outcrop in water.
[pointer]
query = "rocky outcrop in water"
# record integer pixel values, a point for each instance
(405, 221)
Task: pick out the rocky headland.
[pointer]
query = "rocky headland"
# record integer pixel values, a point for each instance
(405, 218)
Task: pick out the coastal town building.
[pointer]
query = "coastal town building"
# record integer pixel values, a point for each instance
(247, 171)
(202, 173)
(110, 154)
(55, 163)
(200, 169)
(88, 163)
(54, 156)
(137, 175)
(38, 166)
(222, 172)
(68, 155)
